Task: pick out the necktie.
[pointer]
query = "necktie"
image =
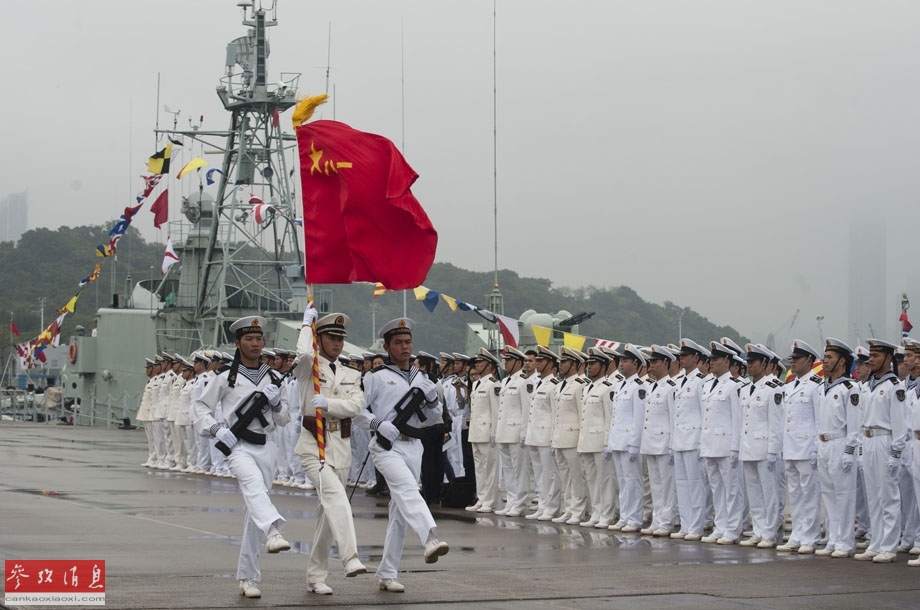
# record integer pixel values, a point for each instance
(796, 384)
(714, 382)
(332, 366)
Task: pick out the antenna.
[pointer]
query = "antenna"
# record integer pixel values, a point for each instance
(328, 57)
(175, 114)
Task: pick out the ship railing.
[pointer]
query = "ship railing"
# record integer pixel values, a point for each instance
(21, 405)
(109, 411)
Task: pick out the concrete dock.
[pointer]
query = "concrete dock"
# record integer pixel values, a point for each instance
(171, 540)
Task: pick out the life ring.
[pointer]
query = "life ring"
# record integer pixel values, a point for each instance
(72, 353)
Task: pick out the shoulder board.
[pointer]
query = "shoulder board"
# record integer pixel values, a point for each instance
(671, 382)
(554, 381)
(493, 378)
(580, 380)
(620, 377)
(848, 384)
(639, 381)
(700, 375)
(816, 379)
(605, 382)
(771, 383)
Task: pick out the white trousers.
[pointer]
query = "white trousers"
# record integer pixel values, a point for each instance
(485, 462)
(253, 468)
(602, 486)
(180, 450)
(664, 493)
(401, 467)
(910, 518)
(159, 438)
(151, 444)
(882, 495)
(838, 491)
(691, 491)
(804, 502)
(572, 480)
(454, 447)
(204, 451)
(632, 493)
(549, 491)
(516, 467)
(725, 483)
(760, 485)
(334, 520)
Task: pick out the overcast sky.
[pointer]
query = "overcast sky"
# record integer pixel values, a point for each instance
(712, 154)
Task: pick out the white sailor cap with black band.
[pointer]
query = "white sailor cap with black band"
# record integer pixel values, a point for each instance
(567, 353)
(399, 326)
(201, 357)
(226, 357)
(545, 352)
(149, 362)
(659, 352)
(597, 354)
(911, 345)
(836, 345)
(862, 354)
(720, 350)
(612, 351)
(511, 352)
(447, 356)
(800, 348)
(756, 351)
(356, 358)
(334, 324)
(268, 353)
(461, 357)
(726, 341)
(899, 353)
(426, 356)
(688, 347)
(485, 354)
(632, 351)
(248, 326)
(186, 363)
(368, 355)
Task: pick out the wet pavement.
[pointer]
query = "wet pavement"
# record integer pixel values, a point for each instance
(170, 540)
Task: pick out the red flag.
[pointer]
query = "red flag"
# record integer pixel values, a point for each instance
(160, 209)
(906, 326)
(13, 329)
(361, 221)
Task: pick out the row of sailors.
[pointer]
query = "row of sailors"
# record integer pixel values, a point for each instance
(717, 448)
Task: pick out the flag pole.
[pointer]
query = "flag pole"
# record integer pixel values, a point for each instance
(320, 432)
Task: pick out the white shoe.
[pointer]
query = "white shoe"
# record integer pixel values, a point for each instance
(862, 545)
(390, 585)
(661, 532)
(575, 520)
(562, 518)
(789, 547)
(514, 513)
(473, 507)
(726, 541)
(885, 557)
(545, 516)
(865, 556)
(766, 544)
(915, 550)
(602, 524)
(677, 536)
(616, 527)
(647, 531)
(276, 544)
(693, 537)
(248, 588)
(806, 549)
(752, 541)
(484, 509)
(502, 511)
(914, 563)
(840, 554)
(435, 549)
(320, 588)
(353, 567)
(630, 529)
(588, 523)
(710, 539)
(825, 552)
(535, 515)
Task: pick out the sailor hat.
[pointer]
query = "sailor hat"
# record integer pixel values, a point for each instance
(149, 362)
(899, 353)
(461, 357)
(739, 360)
(367, 355)
(756, 351)
(612, 351)
(201, 356)
(659, 352)
(911, 345)
(632, 351)
(836, 345)
(226, 357)
(800, 348)
(248, 325)
(485, 354)
(427, 356)
(399, 326)
(185, 363)
(689, 347)
(166, 357)
(269, 353)
(334, 324)
(597, 354)
(720, 350)
(862, 354)
(545, 352)
(446, 356)
(727, 342)
(511, 352)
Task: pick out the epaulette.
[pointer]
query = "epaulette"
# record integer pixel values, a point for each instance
(554, 381)
(771, 383)
(816, 379)
(848, 384)
(580, 380)
(639, 381)
(605, 382)
(620, 377)
(671, 382)
(700, 375)
(493, 378)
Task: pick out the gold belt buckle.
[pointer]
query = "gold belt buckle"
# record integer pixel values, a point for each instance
(868, 432)
(332, 426)
(823, 437)
(917, 434)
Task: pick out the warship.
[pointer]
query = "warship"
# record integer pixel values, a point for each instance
(235, 260)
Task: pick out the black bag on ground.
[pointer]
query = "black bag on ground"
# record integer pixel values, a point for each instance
(459, 493)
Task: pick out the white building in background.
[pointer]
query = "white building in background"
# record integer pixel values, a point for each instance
(14, 216)
(868, 297)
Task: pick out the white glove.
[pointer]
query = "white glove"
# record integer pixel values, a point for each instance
(523, 442)
(771, 462)
(272, 393)
(814, 459)
(309, 315)
(226, 437)
(429, 388)
(733, 458)
(491, 441)
(633, 453)
(894, 464)
(670, 458)
(846, 462)
(608, 453)
(388, 431)
(320, 402)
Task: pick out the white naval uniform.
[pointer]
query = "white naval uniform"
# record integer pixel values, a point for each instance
(250, 463)
(145, 415)
(761, 437)
(910, 517)
(656, 447)
(175, 434)
(720, 440)
(334, 520)
(566, 425)
(453, 448)
(160, 427)
(838, 433)
(625, 435)
(483, 418)
(538, 439)
(187, 451)
(203, 443)
(596, 411)
(913, 428)
(799, 449)
(685, 441)
(883, 435)
(513, 411)
(401, 466)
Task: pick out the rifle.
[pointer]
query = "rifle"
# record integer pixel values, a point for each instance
(408, 405)
(252, 408)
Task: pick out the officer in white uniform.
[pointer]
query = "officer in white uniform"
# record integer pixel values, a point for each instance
(566, 426)
(202, 377)
(250, 462)
(340, 399)
(884, 430)
(513, 411)
(838, 429)
(596, 410)
(720, 446)
(540, 435)
(913, 429)
(800, 450)
(145, 414)
(483, 420)
(656, 443)
(625, 437)
(761, 445)
(401, 465)
(689, 478)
